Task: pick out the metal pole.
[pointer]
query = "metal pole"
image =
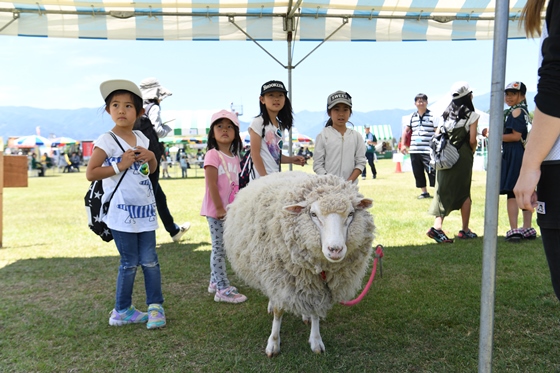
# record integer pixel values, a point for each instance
(290, 68)
(488, 288)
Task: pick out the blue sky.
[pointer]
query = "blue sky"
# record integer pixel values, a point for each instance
(66, 73)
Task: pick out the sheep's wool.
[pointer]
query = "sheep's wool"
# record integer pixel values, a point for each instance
(279, 253)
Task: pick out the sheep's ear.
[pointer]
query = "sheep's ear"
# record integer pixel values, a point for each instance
(295, 209)
(364, 203)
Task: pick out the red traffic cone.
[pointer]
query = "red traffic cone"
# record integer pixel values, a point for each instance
(398, 170)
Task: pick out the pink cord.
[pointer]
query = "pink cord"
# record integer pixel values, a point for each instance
(378, 255)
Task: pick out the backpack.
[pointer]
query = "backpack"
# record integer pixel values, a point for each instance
(95, 211)
(443, 154)
(247, 170)
(144, 124)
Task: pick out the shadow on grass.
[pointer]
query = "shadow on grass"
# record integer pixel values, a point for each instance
(422, 315)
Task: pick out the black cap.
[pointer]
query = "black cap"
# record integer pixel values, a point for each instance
(273, 86)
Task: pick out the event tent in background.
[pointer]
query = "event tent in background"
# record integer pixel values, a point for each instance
(303, 20)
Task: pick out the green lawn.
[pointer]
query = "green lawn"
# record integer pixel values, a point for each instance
(57, 289)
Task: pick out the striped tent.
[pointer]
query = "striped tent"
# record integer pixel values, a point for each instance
(291, 20)
(382, 132)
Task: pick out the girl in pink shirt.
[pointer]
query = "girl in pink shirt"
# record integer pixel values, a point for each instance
(221, 171)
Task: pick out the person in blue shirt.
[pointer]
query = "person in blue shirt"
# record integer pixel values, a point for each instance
(371, 141)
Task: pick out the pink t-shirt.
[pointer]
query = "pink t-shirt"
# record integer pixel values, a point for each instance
(212, 159)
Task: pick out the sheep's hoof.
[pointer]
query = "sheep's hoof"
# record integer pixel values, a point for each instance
(305, 319)
(272, 349)
(317, 346)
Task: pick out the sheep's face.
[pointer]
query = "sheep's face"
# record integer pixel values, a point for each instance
(334, 230)
(332, 217)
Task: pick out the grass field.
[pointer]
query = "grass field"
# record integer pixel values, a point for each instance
(57, 284)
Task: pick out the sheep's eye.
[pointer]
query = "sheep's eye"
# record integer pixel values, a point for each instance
(313, 215)
(351, 214)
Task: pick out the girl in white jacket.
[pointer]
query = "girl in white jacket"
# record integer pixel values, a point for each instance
(339, 150)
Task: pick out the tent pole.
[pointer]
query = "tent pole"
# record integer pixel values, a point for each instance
(496, 125)
(290, 68)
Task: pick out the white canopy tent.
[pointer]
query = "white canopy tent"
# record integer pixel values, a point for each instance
(311, 20)
(303, 20)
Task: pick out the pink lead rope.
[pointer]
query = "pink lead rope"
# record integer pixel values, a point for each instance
(378, 256)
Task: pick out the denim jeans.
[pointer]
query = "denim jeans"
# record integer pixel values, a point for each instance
(137, 249)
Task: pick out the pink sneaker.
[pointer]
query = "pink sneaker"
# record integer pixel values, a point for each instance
(229, 295)
(212, 287)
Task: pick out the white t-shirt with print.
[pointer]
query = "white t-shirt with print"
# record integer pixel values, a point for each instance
(133, 207)
(270, 149)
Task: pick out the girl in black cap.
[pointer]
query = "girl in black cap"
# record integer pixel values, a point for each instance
(267, 130)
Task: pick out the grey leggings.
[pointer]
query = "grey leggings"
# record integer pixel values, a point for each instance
(218, 273)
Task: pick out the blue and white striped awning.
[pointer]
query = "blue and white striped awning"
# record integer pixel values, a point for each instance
(313, 20)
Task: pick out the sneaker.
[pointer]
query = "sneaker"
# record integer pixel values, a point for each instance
(130, 316)
(529, 233)
(375, 176)
(182, 230)
(156, 316)
(212, 287)
(229, 295)
(438, 235)
(363, 177)
(466, 235)
(424, 195)
(514, 235)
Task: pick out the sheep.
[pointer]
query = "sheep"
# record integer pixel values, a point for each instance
(304, 241)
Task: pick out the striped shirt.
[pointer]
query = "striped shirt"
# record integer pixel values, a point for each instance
(422, 132)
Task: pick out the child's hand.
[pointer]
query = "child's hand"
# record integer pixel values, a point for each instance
(299, 160)
(128, 158)
(143, 155)
(220, 213)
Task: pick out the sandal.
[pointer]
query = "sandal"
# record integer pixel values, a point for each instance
(515, 235)
(467, 235)
(529, 233)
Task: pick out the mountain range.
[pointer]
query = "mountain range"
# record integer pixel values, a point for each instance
(88, 123)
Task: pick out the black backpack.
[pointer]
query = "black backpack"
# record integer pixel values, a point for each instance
(144, 124)
(95, 210)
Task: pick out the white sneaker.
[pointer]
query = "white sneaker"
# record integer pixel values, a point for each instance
(183, 229)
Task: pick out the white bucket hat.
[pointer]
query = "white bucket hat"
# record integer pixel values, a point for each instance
(151, 89)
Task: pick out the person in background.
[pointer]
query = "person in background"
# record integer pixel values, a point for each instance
(339, 150)
(422, 127)
(371, 141)
(540, 169)
(46, 160)
(135, 238)
(153, 93)
(75, 161)
(36, 165)
(184, 165)
(453, 185)
(516, 127)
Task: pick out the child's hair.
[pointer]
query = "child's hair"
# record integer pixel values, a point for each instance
(236, 144)
(137, 101)
(459, 108)
(531, 17)
(285, 115)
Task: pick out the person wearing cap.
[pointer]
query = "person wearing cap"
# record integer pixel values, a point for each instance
(153, 93)
(339, 150)
(453, 185)
(131, 216)
(267, 130)
(371, 141)
(422, 129)
(517, 122)
(221, 174)
(537, 185)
